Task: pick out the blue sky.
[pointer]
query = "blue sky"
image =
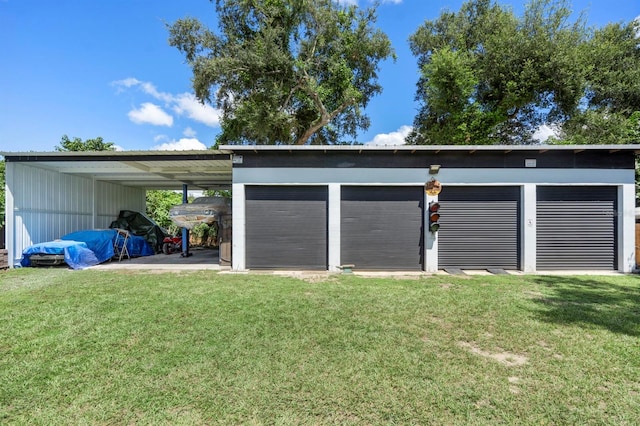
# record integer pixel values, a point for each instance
(89, 68)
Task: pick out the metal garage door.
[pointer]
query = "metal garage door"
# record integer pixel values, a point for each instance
(381, 227)
(286, 227)
(576, 227)
(479, 228)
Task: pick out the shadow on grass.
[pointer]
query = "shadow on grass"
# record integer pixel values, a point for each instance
(592, 301)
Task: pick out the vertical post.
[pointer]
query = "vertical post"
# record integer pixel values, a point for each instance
(529, 227)
(94, 204)
(334, 226)
(430, 238)
(10, 214)
(185, 231)
(626, 228)
(238, 237)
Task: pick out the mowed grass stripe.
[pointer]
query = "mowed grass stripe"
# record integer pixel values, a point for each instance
(99, 347)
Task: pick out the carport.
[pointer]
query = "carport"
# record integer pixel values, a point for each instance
(50, 194)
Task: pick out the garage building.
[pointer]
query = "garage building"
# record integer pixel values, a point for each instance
(530, 208)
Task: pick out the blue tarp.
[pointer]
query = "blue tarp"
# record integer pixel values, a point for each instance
(82, 249)
(100, 242)
(76, 253)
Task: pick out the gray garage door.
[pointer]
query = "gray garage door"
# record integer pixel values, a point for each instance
(286, 227)
(479, 228)
(381, 227)
(576, 228)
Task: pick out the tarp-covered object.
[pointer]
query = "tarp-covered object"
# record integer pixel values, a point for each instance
(100, 242)
(82, 249)
(76, 253)
(139, 224)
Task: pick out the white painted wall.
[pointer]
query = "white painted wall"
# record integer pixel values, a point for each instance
(626, 228)
(44, 205)
(527, 178)
(238, 239)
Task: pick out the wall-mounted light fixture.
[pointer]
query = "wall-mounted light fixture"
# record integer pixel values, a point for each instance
(434, 169)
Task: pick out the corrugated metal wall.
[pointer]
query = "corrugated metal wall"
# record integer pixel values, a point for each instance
(113, 198)
(48, 205)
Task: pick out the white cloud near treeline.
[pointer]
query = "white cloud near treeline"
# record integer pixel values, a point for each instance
(394, 138)
(184, 104)
(184, 144)
(149, 113)
(187, 104)
(545, 131)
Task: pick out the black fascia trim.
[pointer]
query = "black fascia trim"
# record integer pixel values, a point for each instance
(588, 159)
(111, 158)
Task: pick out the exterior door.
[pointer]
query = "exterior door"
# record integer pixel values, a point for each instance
(381, 227)
(576, 227)
(286, 227)
(479, 228)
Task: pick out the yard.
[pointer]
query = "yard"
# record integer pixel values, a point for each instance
(105, 347)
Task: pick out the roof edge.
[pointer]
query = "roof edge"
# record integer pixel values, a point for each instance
(412, 148)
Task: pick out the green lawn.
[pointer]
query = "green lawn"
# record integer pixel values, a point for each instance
(100, 347)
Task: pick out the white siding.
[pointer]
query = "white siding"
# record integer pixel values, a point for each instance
(112, 198)
(47, 205)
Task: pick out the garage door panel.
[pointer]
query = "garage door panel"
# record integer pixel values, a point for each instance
(381, 227)
(479, 228)
(286, 227)
(576, 228)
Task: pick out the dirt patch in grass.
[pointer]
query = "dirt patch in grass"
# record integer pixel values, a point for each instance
(506, 358)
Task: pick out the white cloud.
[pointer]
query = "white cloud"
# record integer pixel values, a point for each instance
(127, 82)
(187, 104)
(394, 138)
(544, 132)
(183, 104)
(150, 89)
(150, 113)
(189, 132)
(184, 144)
(159, 138)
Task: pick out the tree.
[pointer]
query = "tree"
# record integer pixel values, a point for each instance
(610, 112)
(158, 204)
(76, 144)
(490, 77)
(285, 71)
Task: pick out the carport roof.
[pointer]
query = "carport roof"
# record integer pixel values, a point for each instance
(210, 169)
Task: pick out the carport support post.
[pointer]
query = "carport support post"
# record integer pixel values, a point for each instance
(185, 231)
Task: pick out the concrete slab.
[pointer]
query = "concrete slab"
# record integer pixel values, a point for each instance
(201, 259)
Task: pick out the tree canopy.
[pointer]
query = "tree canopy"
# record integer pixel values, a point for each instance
(77, 144)
(285, 71)
(158, 204)
(488, 76)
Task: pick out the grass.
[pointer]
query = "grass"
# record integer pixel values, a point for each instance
(99, 347)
